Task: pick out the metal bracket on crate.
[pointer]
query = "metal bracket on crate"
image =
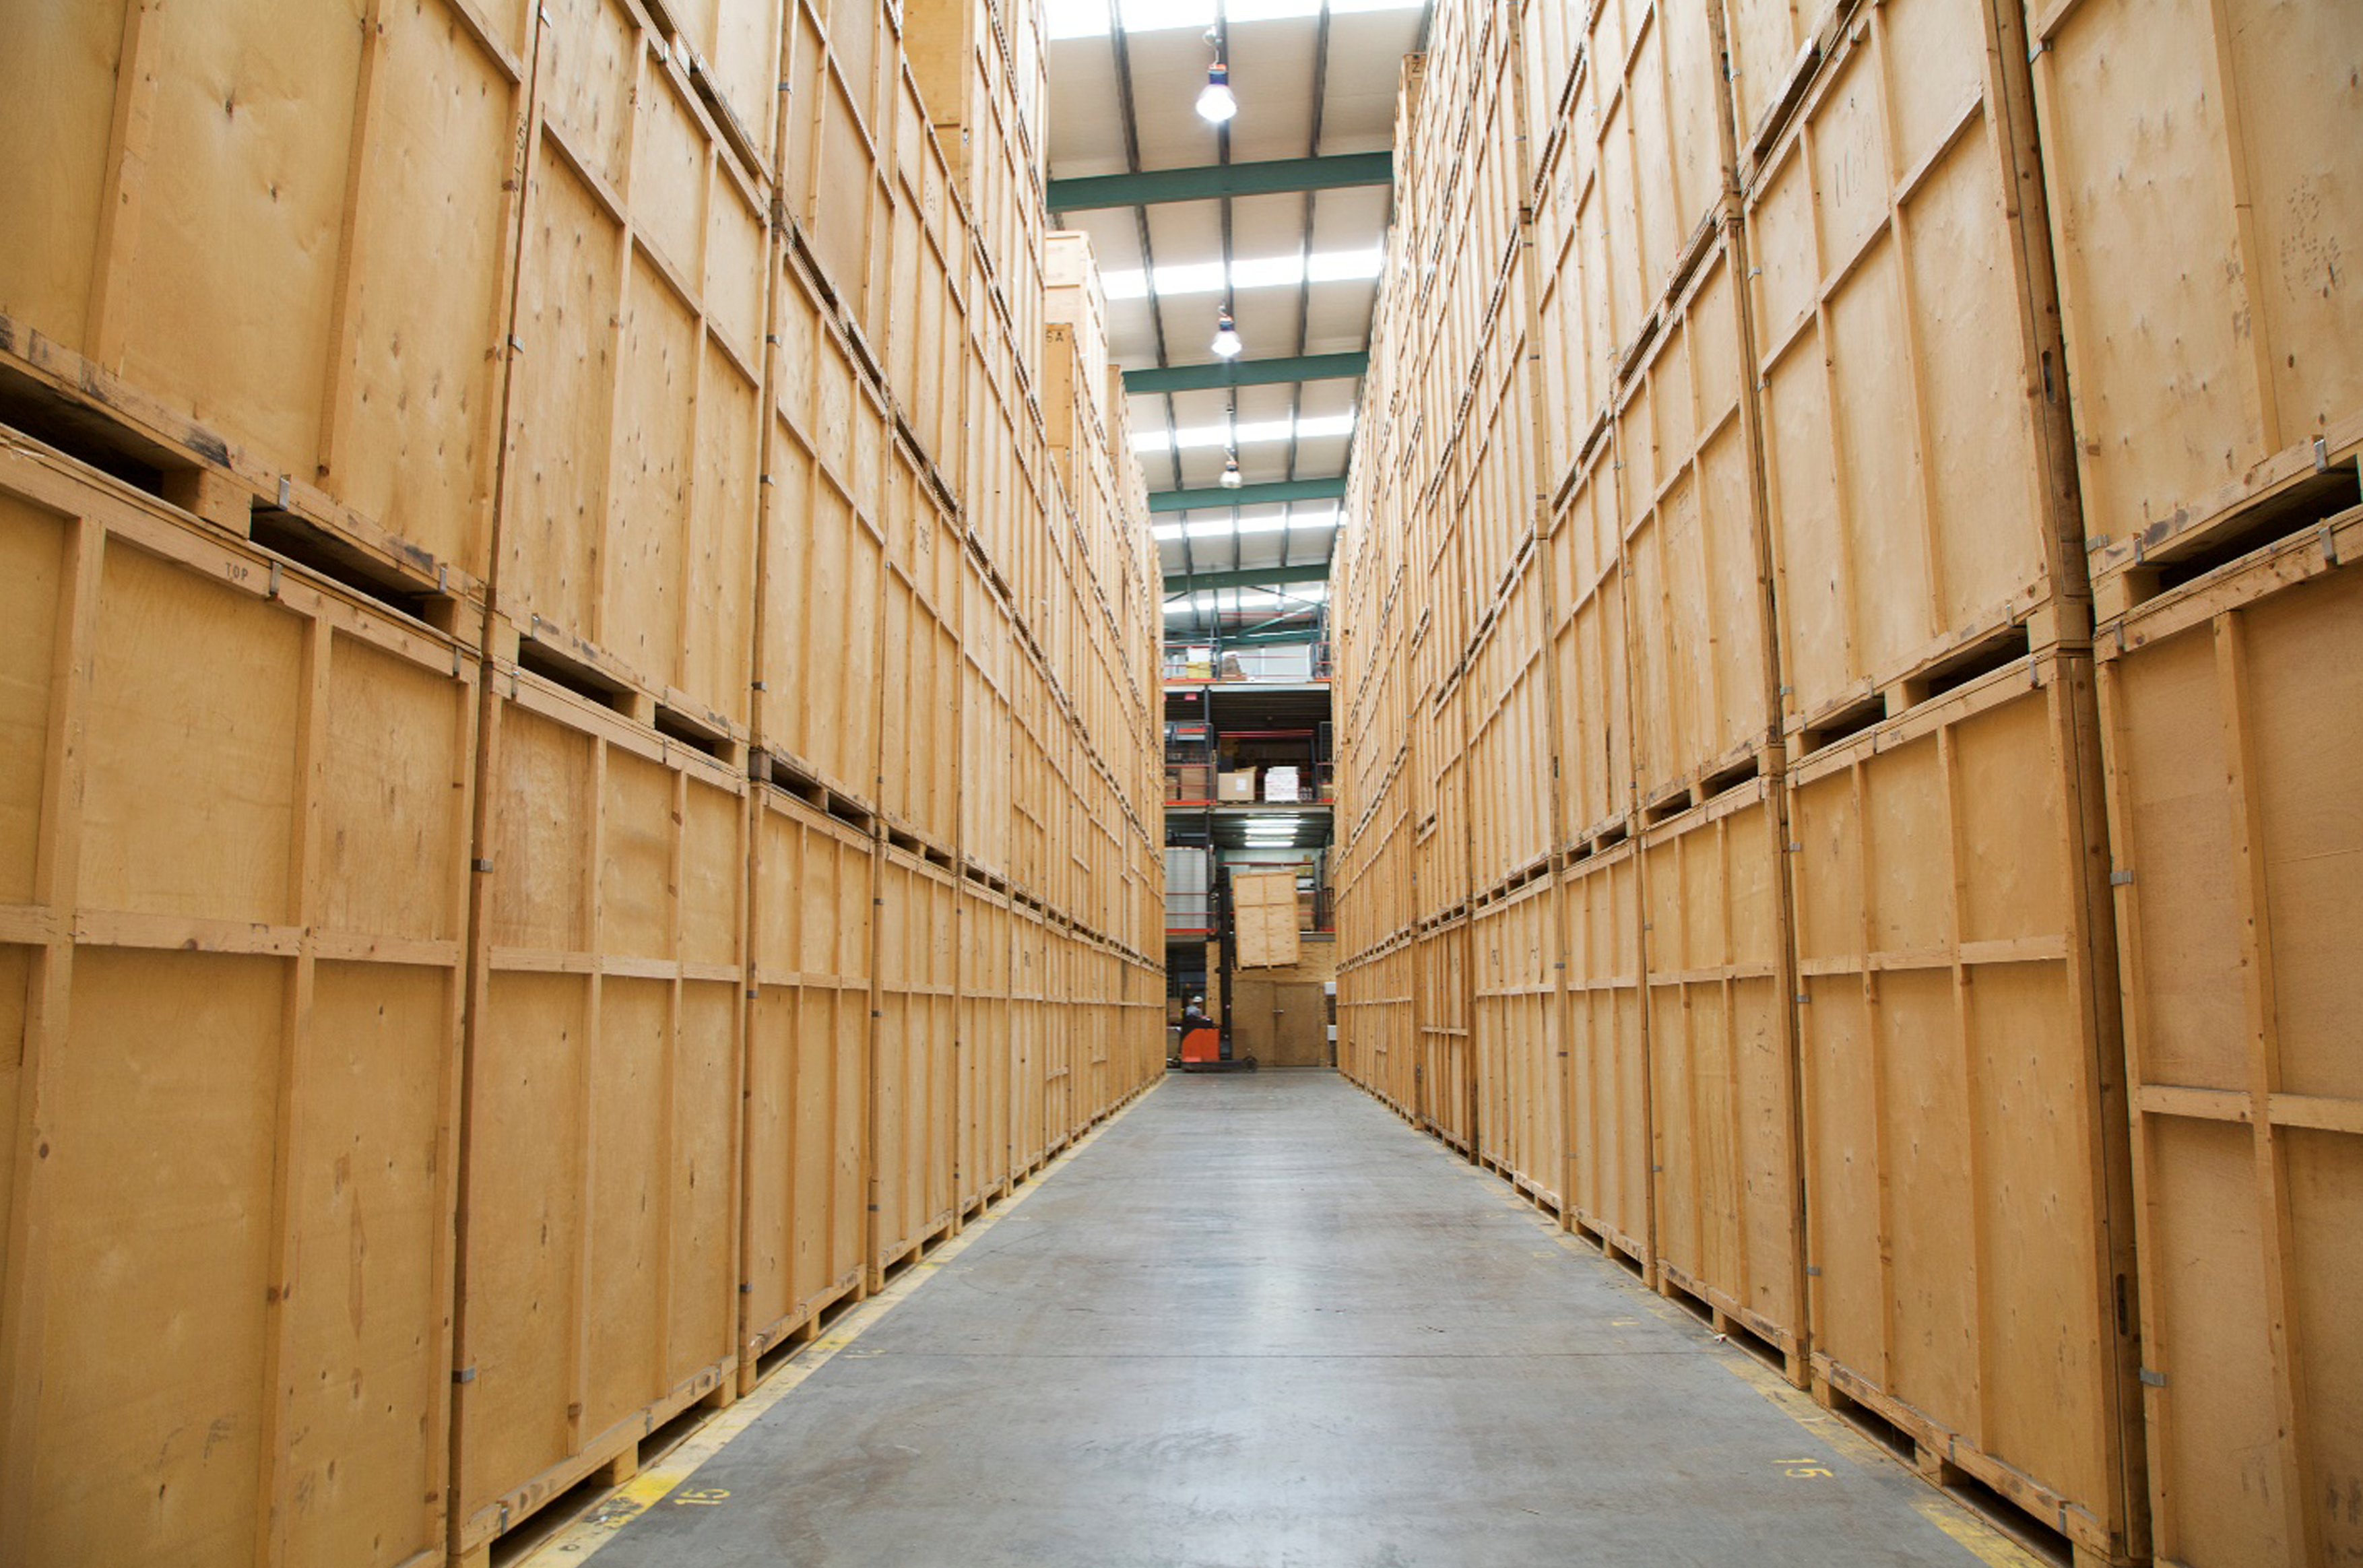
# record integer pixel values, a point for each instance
(2152, 1379)
(463, 1375)
(2330, 546)
(2121, 878)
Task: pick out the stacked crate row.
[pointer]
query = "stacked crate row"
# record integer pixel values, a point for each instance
(497, 930)
(1903, 371)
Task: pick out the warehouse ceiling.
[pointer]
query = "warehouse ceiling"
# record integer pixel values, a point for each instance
(1281, 215)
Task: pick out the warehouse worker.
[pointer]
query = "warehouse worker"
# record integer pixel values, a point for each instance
(1195, 1016)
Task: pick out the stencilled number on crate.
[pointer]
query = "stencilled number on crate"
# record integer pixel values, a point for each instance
(706, 1497)
(1803, 1469)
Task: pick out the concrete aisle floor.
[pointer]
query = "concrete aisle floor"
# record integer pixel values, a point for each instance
(1261, 1322)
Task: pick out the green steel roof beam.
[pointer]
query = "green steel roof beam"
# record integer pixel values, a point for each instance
(1247, 373)
(1269, 494)
(1276, 176)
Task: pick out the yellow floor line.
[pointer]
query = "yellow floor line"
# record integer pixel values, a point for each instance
(650, 1486)
(1964, 1524)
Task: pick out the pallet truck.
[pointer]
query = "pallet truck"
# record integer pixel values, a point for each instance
(1207, 1048)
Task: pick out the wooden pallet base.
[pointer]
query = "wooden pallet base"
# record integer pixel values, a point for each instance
(890, 1265)
(61, 400)
(763, 1349)
(1614, 1244)
(1717, 778)
(615, 1452)
(541, 649)
(792, 776)
(1775, 1346)
(2016, 1503)
(913, 846)
(2297, 489)
(2027, 632)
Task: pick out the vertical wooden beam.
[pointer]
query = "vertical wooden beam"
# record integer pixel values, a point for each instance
(57, 877)
(2252, 895)
(129, 134)
(290, 1141)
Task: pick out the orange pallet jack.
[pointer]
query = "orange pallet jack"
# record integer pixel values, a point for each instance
(1207, 1048)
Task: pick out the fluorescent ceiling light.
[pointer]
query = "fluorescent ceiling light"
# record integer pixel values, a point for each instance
(1250, 433)
(1248, 272)
(1168, 531)
(1089, 18)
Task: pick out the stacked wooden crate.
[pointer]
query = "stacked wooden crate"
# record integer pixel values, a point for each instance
(466, 520)
(1843, 839)
(2219, 480)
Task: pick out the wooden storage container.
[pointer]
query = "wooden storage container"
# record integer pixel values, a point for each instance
(982, 1155)
(986, 102)
(1521, 1088)
(231, 1037)
(264, 260)
(1031, 777)
(988, 726)
(1723, 1068)
(1592, 727)
(1610, 1186)
(837, 177)
(1056, 968)
(1771, 50)
(818, 650)
(1650, 101)
(1968, 1207)
(807, 1096)
(1029, 1034)
(927, 329)
(914, 1081)
(1575, 365)
(731, 50)
(2237, 908)
(1921, 491)
(1440, 843)
(1377, 1046)
(599, 1201)
(628, 528)
(1263, 911)
(1492, 481)
(2199, 165)
(1509, 713)
(919, 756)
(1441, 1004)
(1696, 551)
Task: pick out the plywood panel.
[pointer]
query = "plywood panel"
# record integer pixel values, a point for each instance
(1695, 546)
(1723, 1065)
(240, 1041)
(821, 613)
(986, 1059)
(2218, 136)
(598, 1273)
(1521, 1088)
(2238, 996)
(912, 1086)
(1965, 1189)
(281, 244)
(1919, 494)
(633, 566)
(1606, 1033)
(807, 1129)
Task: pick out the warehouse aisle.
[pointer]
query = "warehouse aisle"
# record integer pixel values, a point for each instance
(1261, 1322)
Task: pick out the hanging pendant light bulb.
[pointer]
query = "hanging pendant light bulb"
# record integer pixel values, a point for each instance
(1217, 102)
(1232, 478)
(1227, 344)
